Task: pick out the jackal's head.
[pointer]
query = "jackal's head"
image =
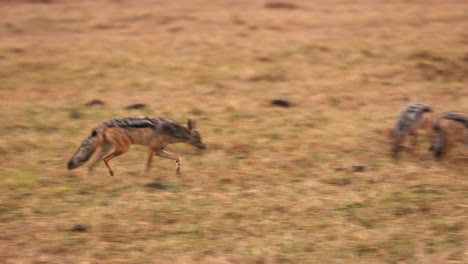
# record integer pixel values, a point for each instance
(195, 138)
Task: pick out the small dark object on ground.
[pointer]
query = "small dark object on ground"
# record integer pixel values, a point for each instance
(175, 29)
(280, 5)
(78, 228)
(358, 168)
(94, 102)
(264, 59)
(355, 168)
(157, 185)
(17, 50)
(281, 102)
(135, 106)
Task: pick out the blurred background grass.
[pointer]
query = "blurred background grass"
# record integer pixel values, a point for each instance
(276, 185)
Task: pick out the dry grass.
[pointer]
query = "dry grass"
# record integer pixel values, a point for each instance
(275, 185)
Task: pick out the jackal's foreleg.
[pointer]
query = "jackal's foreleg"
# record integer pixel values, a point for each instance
(413, 142)
(103, 151)
(164, 154)
(117, 151)
(149, 160)
(397, 146)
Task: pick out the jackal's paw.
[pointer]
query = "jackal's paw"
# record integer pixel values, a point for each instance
(111, 173)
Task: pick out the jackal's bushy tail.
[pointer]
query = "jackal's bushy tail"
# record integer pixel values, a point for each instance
(84, 152)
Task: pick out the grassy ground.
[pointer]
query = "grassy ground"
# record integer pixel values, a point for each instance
(275, 185)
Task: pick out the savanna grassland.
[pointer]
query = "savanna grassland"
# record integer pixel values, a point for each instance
(309, 183)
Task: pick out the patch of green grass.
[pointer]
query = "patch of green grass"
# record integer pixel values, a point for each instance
(20, 179)
(333, 101)
(364, 250)
(75, 114)
(349, 206)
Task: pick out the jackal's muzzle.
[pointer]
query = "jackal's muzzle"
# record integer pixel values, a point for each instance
(201, 146)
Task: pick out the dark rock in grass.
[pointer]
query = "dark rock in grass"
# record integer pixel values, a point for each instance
(280, 5)
(268, 77)
(78, 228)
(358, 168)
(281, 103)
(355, 168)
(17, 50)
(94, 102)
(135, 106)
(264, 59)
(175, 29)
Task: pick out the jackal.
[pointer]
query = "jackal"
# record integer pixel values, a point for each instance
(413, 117)
(120, 133)
(449, 128)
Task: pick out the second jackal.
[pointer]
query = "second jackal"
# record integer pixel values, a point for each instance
(118, 134)
(413, 118)
(449, 129)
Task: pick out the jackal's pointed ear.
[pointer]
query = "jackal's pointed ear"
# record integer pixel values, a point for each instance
(192, 123)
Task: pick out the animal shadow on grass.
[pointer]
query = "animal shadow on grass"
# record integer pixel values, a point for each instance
(281, 103)
(94, 102)
(280, 5)
(78, 228)
(158, 186)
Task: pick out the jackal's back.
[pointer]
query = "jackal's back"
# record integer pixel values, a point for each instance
(446, 134)
(455, 116)
(158, 124)
(89, 145)
(134, 122)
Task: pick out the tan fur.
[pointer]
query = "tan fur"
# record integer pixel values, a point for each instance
(424, 125)
(451, 132)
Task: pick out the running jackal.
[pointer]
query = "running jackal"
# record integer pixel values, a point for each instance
(413, 117)
(120, 133)
(449, 128)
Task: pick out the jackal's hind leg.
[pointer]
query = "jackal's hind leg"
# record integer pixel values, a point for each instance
(429, 131)
(164, 154)
(430, 139)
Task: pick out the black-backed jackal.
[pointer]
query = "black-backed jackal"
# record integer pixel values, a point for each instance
(449, 129)
(120, 133)
(413, 118)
